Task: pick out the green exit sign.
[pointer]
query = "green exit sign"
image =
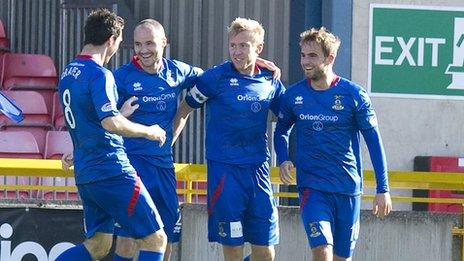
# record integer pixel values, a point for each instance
(416, 51)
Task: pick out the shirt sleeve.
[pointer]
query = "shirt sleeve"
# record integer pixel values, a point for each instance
(275, 104)
(365, 114)
(285, 121)
(191, 75)
(203, 90)
(378, 158)
(104, 95)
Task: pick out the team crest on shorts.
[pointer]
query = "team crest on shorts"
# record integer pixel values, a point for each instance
(314, 231)
(338, 103)
(222, 233)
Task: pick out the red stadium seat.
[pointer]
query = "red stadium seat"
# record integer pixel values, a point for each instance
(18, 145)
(33, 106)
(4, 42)
(57, 116)
(57, 144)
(37, 120)
(39, 133)
(29, 72)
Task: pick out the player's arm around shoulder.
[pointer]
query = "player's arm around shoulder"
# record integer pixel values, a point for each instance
(183, 112)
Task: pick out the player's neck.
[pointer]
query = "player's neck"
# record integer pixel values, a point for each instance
(156, 68)
(98, 53)
(325, 82)
(251, 70)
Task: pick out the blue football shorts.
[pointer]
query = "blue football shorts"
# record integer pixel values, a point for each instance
(330, 219)
(161, 184)
(122, 199)
(241, 207)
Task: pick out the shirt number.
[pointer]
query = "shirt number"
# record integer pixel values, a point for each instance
(68, 114)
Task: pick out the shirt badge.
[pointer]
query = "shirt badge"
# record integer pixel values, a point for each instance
(338, 103)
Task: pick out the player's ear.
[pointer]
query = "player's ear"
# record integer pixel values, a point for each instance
(330, 59)
(111, 40)
(165, 42)
(259, 47)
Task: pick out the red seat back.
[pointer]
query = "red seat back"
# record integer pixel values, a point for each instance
(4, 42)
(18, 144)
(33, 106)
(57, 143)
(57, 116)
(28, 71)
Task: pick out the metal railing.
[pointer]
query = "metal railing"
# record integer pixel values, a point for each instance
(191, 173)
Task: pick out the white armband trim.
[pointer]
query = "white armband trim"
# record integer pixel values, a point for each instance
(197, 95)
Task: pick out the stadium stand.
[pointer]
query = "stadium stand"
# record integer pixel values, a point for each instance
(4, 41)
(37, 119)
(18, 144)
(57, 144)
(29, 72)
(57, 116)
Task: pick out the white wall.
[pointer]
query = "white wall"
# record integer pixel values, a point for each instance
(409, 127)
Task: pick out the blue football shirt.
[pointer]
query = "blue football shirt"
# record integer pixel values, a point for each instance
(157, 97)
(88, 95)
(237, 108)
(328, 125)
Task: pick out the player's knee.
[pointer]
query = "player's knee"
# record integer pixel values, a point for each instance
(232, 252)
(154, 242)
(262, 253)
(125, 247)
(322, 252)
(99, 245)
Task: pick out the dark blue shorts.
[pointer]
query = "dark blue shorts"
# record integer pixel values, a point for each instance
(241, 207)
(331, 219)
(122, 199)
(161, 184)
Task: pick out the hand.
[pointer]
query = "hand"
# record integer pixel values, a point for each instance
(270, 66)
(155, 132)
(129, 107)
(382, 204)
(67, 161)
(285, 171)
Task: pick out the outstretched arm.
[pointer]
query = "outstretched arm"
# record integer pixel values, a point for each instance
(120, 125)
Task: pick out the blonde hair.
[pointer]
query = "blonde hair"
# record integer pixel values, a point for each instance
(244, 24)
(328, 41)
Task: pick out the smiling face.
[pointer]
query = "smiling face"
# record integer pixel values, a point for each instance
(243, 51)
(313, 61)
(149, 46)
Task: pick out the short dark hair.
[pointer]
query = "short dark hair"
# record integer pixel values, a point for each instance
(100, 25)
